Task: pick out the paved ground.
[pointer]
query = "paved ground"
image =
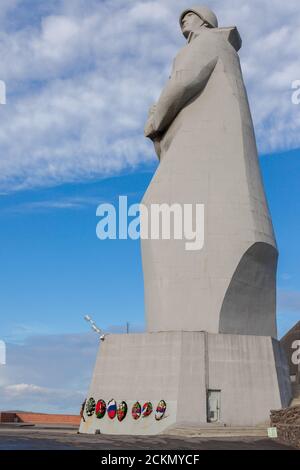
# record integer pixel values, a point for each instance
(51, 439)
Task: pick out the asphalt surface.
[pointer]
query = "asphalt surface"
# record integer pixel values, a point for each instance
(33, 439)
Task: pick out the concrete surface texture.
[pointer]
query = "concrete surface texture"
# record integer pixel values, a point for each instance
(203, 134)
(39, 439)
(250, 374)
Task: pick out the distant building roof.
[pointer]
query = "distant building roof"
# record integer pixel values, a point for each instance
(294, 330)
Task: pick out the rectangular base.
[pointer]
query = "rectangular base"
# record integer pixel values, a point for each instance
(232, 379)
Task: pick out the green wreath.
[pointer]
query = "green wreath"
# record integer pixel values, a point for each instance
(90, 407)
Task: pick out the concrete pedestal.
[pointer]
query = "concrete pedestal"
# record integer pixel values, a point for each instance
(249, 373)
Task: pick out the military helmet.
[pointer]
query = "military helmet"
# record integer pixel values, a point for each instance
(204, 13)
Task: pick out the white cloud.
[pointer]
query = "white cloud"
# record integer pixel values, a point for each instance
(50, 373)
(81, 78)
(63, 203)
(21, 389)
(29, 397)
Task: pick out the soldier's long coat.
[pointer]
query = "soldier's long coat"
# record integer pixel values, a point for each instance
(208, 155)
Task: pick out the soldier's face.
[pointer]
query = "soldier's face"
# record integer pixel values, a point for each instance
(190, 22)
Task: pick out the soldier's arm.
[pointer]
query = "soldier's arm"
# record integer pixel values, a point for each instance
(182, 86)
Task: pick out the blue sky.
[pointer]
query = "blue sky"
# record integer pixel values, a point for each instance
(57, 270)
(80, 78)
(63, 270)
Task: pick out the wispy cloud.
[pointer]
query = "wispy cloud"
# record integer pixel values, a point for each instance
(18, 332)
(285, 277)
(51, 373)
(29, 397)
(64, 203)
(48, 373)
(81, 75)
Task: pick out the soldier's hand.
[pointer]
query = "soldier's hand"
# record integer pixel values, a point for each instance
(149, 127)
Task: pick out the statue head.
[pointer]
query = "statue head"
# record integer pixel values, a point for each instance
(192, 19)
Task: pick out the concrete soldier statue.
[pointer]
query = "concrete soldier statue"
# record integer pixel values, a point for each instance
(209, 353)
(203, 134)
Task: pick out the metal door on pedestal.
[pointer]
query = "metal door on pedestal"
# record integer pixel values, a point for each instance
(213, 406)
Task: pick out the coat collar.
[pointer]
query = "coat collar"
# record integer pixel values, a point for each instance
(194, 34)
